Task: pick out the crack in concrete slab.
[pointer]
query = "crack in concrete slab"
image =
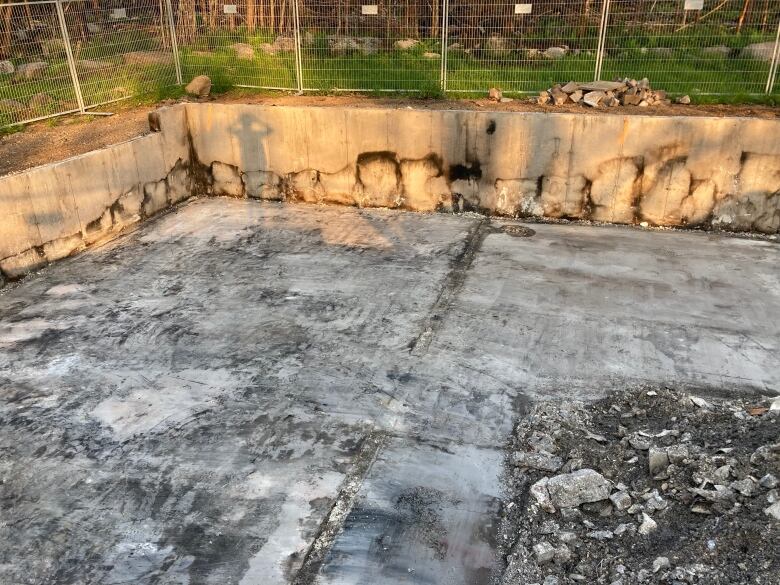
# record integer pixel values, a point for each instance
(451, 285)
(342, 506)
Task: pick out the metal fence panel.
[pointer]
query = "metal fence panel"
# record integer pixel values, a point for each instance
(721, 47)
(371, 46)
(245, 44)
(35, 81)
(119, 52)
(521, 48)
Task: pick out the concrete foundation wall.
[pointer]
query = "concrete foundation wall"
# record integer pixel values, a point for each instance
(670, 171)
(51, 211)
(666, 171)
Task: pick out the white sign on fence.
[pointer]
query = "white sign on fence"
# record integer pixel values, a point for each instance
(369, 9)
(694, 4)
(523, 8)
(230, 9)
(119, 13)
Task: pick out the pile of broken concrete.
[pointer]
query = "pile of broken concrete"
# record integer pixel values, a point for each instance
(622, 92)
(646, 486)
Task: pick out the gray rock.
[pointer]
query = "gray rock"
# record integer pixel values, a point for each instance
(717, 51)
(551, 580)
(555, 52)
(285, 44)
(200, 86)
(267, 49)
(6, 67)
(495, 94)
(91, 65)
(657, 461)
(497, 45)
(603, 86)
(11, 106)
(571, 87)
(569, 490)
(601, 535)
(720, 494)
(722, 474)
(773, 511)
(406, 44)
(685, 100)
(148, 58)
(40, 101)
(621, 500)
(540, 461)
(544, 552)
(760, 51)
(661, 563)
(769, 481)
(747, 487)
(567, 537)
(631, 100)
(540, 492)
(558, 95)
(677, 453)
(593, 98)
(562, 554)
(243, 50)
(647, 526)
(29, 71)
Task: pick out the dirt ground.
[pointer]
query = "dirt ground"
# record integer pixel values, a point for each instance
(60, 138)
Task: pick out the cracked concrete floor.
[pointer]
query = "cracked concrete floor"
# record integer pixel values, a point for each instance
(255, 393)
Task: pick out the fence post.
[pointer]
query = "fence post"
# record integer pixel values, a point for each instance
(297, 35)
(69, 56)
(174, 43)
(773, 64)
(445, 19)
(602, 39)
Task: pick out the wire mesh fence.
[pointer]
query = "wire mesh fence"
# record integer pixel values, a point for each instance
(389, 46)
(35, 79)
(246, 44)
(520, 47)
(119, 52)
(61, 56)
(706, 47)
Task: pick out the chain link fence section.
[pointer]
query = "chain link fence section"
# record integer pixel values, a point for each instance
(382, 46)
(249, 43)
(703, 47)
(520, 48)
(35, 79)
(119, 52)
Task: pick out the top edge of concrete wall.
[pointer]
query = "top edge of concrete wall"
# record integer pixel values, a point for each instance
(616, 113)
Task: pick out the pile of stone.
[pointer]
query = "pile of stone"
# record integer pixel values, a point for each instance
(622, 92)
(645, 486)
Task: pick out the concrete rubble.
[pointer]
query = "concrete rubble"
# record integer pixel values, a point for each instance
(621, 92)
(676, 494)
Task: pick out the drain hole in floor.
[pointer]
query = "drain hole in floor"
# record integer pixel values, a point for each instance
(519, 231)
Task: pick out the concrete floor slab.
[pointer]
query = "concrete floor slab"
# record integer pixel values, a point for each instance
(253, 393)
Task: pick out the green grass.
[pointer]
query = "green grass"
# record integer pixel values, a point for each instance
(687, 69)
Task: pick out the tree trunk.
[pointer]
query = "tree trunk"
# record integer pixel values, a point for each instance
(250, 15)
(5, 45)
(742, 15)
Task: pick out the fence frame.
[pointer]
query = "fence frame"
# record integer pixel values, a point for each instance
(300, 82)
